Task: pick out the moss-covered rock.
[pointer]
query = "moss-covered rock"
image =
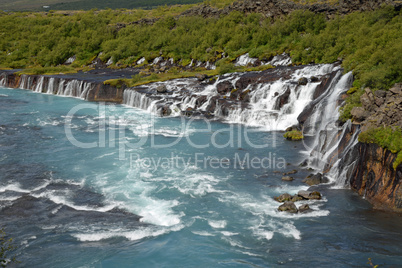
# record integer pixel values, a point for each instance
(294, 135)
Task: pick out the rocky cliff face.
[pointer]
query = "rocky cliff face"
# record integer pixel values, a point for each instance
(374, 178)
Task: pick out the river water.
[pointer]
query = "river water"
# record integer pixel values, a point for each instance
(74, 176)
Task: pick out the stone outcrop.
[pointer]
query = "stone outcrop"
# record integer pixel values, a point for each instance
(381, 108)
(277, 8)
(375, 178)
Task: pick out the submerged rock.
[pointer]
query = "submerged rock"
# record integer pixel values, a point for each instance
(290, 172)
(287, 178)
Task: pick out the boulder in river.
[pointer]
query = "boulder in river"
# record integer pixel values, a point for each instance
(161, 89)
(304, 208)
(288, 206)
(283, 197)
(315, 179)
(309, 194)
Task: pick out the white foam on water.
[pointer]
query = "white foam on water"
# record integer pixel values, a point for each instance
(226, 233)
(59, 197)
(141, 233)
(202, 233)
(105, 155)
(137, 195)
(217, 224)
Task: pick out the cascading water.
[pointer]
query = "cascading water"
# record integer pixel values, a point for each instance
(53, 85)
(50, 88)
(274, 104)
(135, 99)
(325, 153)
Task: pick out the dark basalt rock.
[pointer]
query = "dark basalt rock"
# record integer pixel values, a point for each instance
(309, 195)
(304, 208)
(224, 87)
(302, 81)
(283, 198)
(315, 179)
(282, 100)
(288, 206)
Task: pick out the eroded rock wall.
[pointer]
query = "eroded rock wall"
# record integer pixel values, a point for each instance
(374, 177)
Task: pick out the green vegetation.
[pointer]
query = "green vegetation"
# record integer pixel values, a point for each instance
(294, 135)
(386, 137)
(369, 43)
(6, 245)
(353, 100)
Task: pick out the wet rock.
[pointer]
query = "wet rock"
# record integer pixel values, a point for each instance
(309, 195)
(302, 81)
(314, 79)
(290, 172)
(244, 96)
(282, 100)
(304, 163)
(296, 198)
(161, 89)
(287, 178)
(283, 198)
(314, 179)
(288, 206)
(224, 87)
(304, 208)
(166, 111)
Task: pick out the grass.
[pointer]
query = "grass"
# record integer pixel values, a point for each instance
(62, 69)
(386, 137)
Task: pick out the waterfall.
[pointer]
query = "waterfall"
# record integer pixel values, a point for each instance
(3, 80)
(25, 82)
(331, 143)
(50, 86)
(265, 109)
(60, 89)
(138, 100)
(87, 88)
(39, 85)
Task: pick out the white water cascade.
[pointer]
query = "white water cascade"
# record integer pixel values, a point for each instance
(263, 109)
(326, 153)
(138, 100)
(59, 86)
